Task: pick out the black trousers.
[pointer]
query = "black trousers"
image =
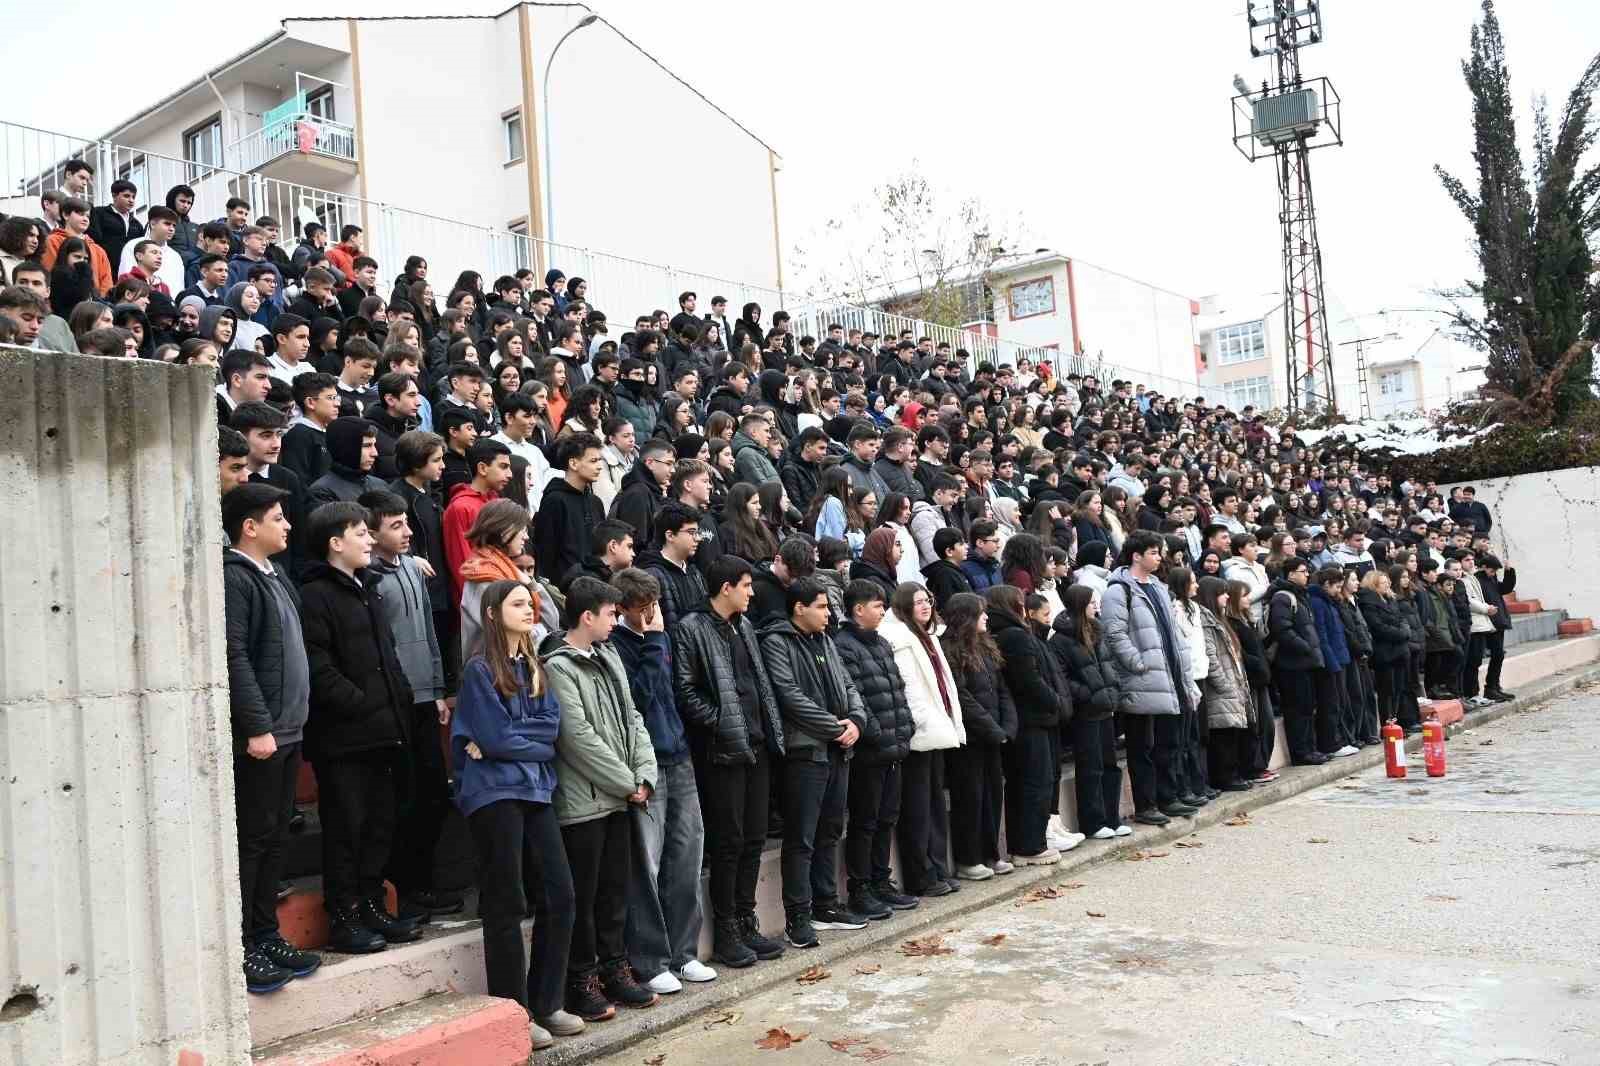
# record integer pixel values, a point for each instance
(1171, 731)
(874, 804)
(815, 797)
(733, 802)
(1443, 669)
(1226, 751)
(1029, 778)
(600, 852)
(1096, 777)
(1387, 681)
(263, 802)
(1358, 718)
(1495, 645)
(924, 830)
(1470, 665)
(1330, 709)
(1297, 701)
(1138, 731)
(358, 800)
(977, 783)
(1196, 743)
(426, 805)
(1260, 759)
(522, 861)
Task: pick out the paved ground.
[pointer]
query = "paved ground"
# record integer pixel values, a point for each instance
(1423, 921)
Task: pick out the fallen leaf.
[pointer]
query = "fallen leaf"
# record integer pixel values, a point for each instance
(656, 1060)
(1040, 894)
(811, 975)
(727, 1017)
(927, 946)
(1318, 840)
(867, 968)
(1070, 884)
(874, 1054)
(1503, 791)
(845, 1043)
(1423, 840)
(1441, 899)
(996, 940)
(1416, 792)
(779, 1039)
(1188, 843)
(1137, 960)
(1241, 818)
(1095, 914)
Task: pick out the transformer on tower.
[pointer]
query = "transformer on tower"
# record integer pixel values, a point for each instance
(1285, 120)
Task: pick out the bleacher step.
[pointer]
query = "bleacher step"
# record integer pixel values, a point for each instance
(443, 1030)
(1540, 625)
(1539, 659)
(1524, 606)
(1575, 627)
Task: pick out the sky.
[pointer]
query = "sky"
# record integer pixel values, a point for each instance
(1104, 127)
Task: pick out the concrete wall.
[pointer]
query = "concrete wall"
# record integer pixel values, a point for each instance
(1544, 526)
(119, 900)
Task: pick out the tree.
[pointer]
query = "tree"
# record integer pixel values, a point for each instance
(906, 250)
(1540, 305)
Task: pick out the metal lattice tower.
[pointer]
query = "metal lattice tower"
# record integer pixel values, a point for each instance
(1288, 119)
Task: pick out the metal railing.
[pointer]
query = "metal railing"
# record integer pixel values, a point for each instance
(301, 132)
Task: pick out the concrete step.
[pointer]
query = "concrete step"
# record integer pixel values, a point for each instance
(1539, 659)
(441, 1030)
(1539, 625)
(1524, 606)
(1575, 627)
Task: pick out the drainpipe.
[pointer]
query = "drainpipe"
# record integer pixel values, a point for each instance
(227, 111)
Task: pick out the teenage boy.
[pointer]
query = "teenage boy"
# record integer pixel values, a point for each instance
(316, 299)
(644, 488)
(1494, 587)
(1442, 661)
(610, 553)
(363, 274)
(246, 378)
(683, 589)
(664, 918)
(232, 454)
(419, 459)
(291, 337)
(401, 585)
(982, 564)
(54, 335)
(263, 426)
(147, 258)
(947, 575)
(874, 788)
(464, 382)
(269, 692)
(210, 278)
(1480, 625)
(605, 766)
(356, 394)
(459, 430)
(490, 463)
(518, 416)
(353, 447)
(726, 699)
(823, 717)
(252, 253)
(75, 223)
(27, 311)
(569, 510)
(357, 733)
(305, 443)
(396, 415)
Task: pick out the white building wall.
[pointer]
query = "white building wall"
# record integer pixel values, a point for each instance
(1137, 326)
(1035, 330)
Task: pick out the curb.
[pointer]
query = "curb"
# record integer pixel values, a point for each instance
(732, 986)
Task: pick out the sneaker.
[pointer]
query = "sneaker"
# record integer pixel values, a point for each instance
(586, 999)
(1236, 786)
(765, 947)
(1125, 830)
(1424, 701)
(1500, 695)
(728, 946)
(439, 902)
(1312, 758)
(664, 983)
(375, 917)
(1151, 817)
(870, 907)
(696, 972)
(955, 886)
(938, 887)
(1481, 701)
(542, 1037)
(414, 911)
(261, 974)
(620, 986)
(347, 933)
(1267, 775)
(979, 872)
(1178, 810)
(889, 892)
(1194, 799)
(833, 916)
(1001, 867)
(285, 890)
(1054, 828)
(561, 1023)
(1105, 832)
(1047, 857)
(799, 931)
(1346, 751)
(282, 953)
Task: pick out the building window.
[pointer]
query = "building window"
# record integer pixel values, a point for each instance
(1391, 383)
(512, 121)
(1256, 392)
(1029, 298)
(1241, 343)
(135, 170)
(319, 104)
(202, 147)
(521, 246)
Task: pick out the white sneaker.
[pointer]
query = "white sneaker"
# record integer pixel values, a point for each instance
(1067, 842)
(979, 872)
(1055, 827)
(1105, 832)
(697, 971)
(1480, 701)
(1047, 857)
(541, 1036)
(1346, 751)
(1002, 867)
(1124, 830)
(664, 983)
(1423, 701)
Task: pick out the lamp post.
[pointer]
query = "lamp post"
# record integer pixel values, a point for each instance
(549, 167)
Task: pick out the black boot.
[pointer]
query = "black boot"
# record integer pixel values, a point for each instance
(348, 933)
(728, 946)
(765, 947)
(380, 921)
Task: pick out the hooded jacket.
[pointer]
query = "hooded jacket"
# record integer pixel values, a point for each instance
(603, 752)
(344, 480)
(1228, 701)
(814, 691)
(683, 589)
(359, 692)
(1148, 655)
(865, 476)
(944, 579)
(305, 446)
(708, 694)
(870, 662)
(633, 405)
(799, 479)
(245, 330)
(897, 479)
(982, 573)
(1090, 679)
(426, 519)
(403, 592)
(516, 733)
(564, 527)
(647, 660)
(1438, 618)
(935, 728)
(1031, 672)
(1356, 633)
(1407, 603)
(751, 462)
(1330, 630)
(637, 502)
(1292, 629)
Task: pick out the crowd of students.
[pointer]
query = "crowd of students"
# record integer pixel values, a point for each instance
(674, 590)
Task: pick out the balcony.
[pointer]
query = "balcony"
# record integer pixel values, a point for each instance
(297, 147)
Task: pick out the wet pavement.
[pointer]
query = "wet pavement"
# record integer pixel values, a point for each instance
(1424, 921)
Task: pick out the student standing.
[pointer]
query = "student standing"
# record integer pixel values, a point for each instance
(1097, 778)
(1292, 630)
(975, 771)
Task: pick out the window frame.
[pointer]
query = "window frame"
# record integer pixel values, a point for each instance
(315, 97)
(517, 144)
(200, 168)
(1240, 334)
(1011, 302)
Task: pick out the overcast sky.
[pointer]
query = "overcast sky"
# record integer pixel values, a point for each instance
(1105, 126)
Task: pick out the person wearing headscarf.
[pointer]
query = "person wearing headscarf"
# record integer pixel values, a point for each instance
(244, 299)
(879, 558)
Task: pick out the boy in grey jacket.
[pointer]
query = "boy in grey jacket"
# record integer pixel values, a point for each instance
(403, 591)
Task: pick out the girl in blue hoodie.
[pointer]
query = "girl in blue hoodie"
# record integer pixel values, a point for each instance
(502, 744)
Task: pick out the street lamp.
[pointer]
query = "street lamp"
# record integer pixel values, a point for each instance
(549, 166)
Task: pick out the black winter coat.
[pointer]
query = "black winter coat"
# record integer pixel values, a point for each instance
(862, 570)
(256, 651)
(1417, 633)
(1356, 632)
(1391, 633)
(799, 480)
(564, 527)
(988, 713)
(815, 693)
(1093, 684)
(870, 662)
(1292, 629)
(683, 590)
(708, 696)
(638, 502)
(1254, 653)
(944, 579)
(360, 699)
(1494, 596)
(1030, 672)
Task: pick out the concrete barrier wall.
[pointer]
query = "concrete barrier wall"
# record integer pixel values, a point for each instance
(1545, 525)
(119, 928)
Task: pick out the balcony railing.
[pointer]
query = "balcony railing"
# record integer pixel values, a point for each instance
(300, 132)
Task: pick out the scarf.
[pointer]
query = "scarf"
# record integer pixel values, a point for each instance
(492, 564)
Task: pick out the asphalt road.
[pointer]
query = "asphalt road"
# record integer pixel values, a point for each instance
(1425, 921)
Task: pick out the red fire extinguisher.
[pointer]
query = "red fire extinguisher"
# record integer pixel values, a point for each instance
(1433, 746)
(1394, 749)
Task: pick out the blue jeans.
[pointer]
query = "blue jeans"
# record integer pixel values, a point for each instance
(669, 839)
